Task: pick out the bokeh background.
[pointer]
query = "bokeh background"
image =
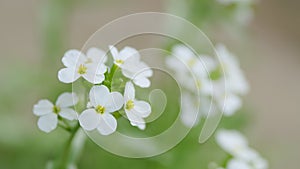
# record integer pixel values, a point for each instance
(34, 35)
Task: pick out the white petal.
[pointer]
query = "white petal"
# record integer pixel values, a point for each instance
(101, 69)
(92, 77)
(140, 125)
(129, 93)
(96, 55)
(67, 100)
(68, 75)
(183, 53)
(127, 52)
(72, 57)
(231, 141)
(231, 104)
(48, 122)
(175, 64)
(189, 113)
(89, 119)
(99, 95)
(142, 82)
(42, 107)
(114, 52)
(133, 117)
(68, 114)
(237, 164)
(114, 102)
(143, 108)
(107, 124)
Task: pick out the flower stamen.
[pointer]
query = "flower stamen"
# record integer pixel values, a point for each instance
(82, 69)
(56, 109)
(119, 61)
(100, 109)
(129, 104)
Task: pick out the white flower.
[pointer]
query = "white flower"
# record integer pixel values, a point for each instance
(48, 113)
(234, 143)
(257, 163)
(191, 71)
(128, 59)
(238, 164)
(91, 66)
(189, 110)
(135, 110)
(235, 79)
(227, 101)
(99, 116)
(227, 89)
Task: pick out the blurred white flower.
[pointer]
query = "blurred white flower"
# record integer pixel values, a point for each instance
(238, 164)
(135, 110)
(91, 66)
(99, 116)
(189, 110)
(128, 59)
(192, 71)
(228, 89)
(48, 112)
(235, 78)
(234, 143)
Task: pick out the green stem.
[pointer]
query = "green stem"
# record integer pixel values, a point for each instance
(65, 159)
(69, 155)
(109, 76)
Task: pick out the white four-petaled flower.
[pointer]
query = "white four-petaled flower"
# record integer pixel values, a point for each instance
(48, 112)
(90, 66)
(135, 110)
(99, 117)
(234, 143)
(192, 71)
(227, 89)
(128, 59)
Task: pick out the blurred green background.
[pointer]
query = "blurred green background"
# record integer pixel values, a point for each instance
(35, 34)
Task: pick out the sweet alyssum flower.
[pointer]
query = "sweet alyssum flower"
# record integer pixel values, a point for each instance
(99, 116)
(91, 66)
(48, 112)
(234, 143)
(128, 59)
(135, 110)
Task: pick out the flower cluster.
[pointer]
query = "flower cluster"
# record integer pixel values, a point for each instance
(103, 104)
(219, 82)
(241, 155)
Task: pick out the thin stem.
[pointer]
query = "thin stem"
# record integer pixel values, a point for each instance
(111, 75)
(67, 151)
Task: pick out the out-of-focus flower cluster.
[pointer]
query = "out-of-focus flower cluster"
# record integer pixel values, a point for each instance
(241, 156)
(220, 82)
(104, 105)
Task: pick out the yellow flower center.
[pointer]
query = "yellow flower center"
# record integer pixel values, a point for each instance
(192, 62)
(119, 61)
(129, 105)
(82, 69)
(56, 109)
(100, 109)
